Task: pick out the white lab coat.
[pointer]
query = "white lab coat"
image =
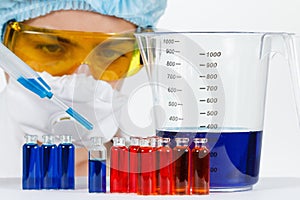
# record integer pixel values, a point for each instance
(12, 139)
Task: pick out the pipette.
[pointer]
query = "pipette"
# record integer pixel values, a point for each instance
(31, 80)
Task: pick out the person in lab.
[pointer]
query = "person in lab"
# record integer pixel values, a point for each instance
(82, 48)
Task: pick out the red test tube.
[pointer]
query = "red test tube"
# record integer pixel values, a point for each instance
(181, 157)
(155, 144)
(146, 176)
(133, 164)
(165, 168)
(200, 167)
(119, 166)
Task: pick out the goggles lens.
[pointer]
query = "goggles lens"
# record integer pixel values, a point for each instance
(108, 56)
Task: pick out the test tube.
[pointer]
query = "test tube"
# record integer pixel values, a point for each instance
(119, 166)
(66, 163)
(31, 179)
(165, 168)
(200, 167)
(146, 176)
(97, 166)
(49, 163)
(133, 163)
(181, 157)
(155, 144)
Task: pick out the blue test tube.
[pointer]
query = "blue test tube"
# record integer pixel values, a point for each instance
(49, 163)
(66, 163)
(31, 179)
(97, 166)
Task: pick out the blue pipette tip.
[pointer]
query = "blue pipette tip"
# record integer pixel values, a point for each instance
(88, 125)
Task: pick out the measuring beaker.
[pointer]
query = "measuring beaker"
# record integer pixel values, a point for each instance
(212, 85)
(294, 63)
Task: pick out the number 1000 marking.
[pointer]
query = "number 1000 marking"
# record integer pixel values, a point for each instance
(213, 54)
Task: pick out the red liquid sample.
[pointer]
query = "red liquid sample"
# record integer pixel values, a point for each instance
(119, 169)
(146, 176)
(133, 168)
(155, 144)
(165, 171)
(200, 170)
(181, 157)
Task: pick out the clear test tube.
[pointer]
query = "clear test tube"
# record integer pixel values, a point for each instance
(97, 166)
(119, 166)
(49, 163)
(200, 167)
(146, 176)
(181, 157)
(133, 163)
(165, 167)
(66, 163)
(31, 178)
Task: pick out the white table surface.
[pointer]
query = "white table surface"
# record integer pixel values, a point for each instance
(267, 188)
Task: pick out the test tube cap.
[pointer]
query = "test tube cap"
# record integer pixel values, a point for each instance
(65, 138)
(48, 139)
(31, 138)
(182, 140)
(154, 141)
(119, 141)
(200, 140)
(165, 140)
(145, 142)
(135, 141)
(97, 140)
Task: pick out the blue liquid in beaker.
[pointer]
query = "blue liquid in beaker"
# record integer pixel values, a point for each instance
(66, 166)
(31, 179)
(97, 175)
(49, 166)
(234, 157)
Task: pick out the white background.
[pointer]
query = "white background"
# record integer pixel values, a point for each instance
(281, 139)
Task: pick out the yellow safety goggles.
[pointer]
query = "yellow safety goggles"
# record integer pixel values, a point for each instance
(108, 56)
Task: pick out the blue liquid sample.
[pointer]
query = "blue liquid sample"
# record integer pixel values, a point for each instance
(234, 157)
(49, 166)
(97, 175)
(31, 179)
(66, 166)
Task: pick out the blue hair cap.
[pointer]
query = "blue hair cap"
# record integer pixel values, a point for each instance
(143, 13)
